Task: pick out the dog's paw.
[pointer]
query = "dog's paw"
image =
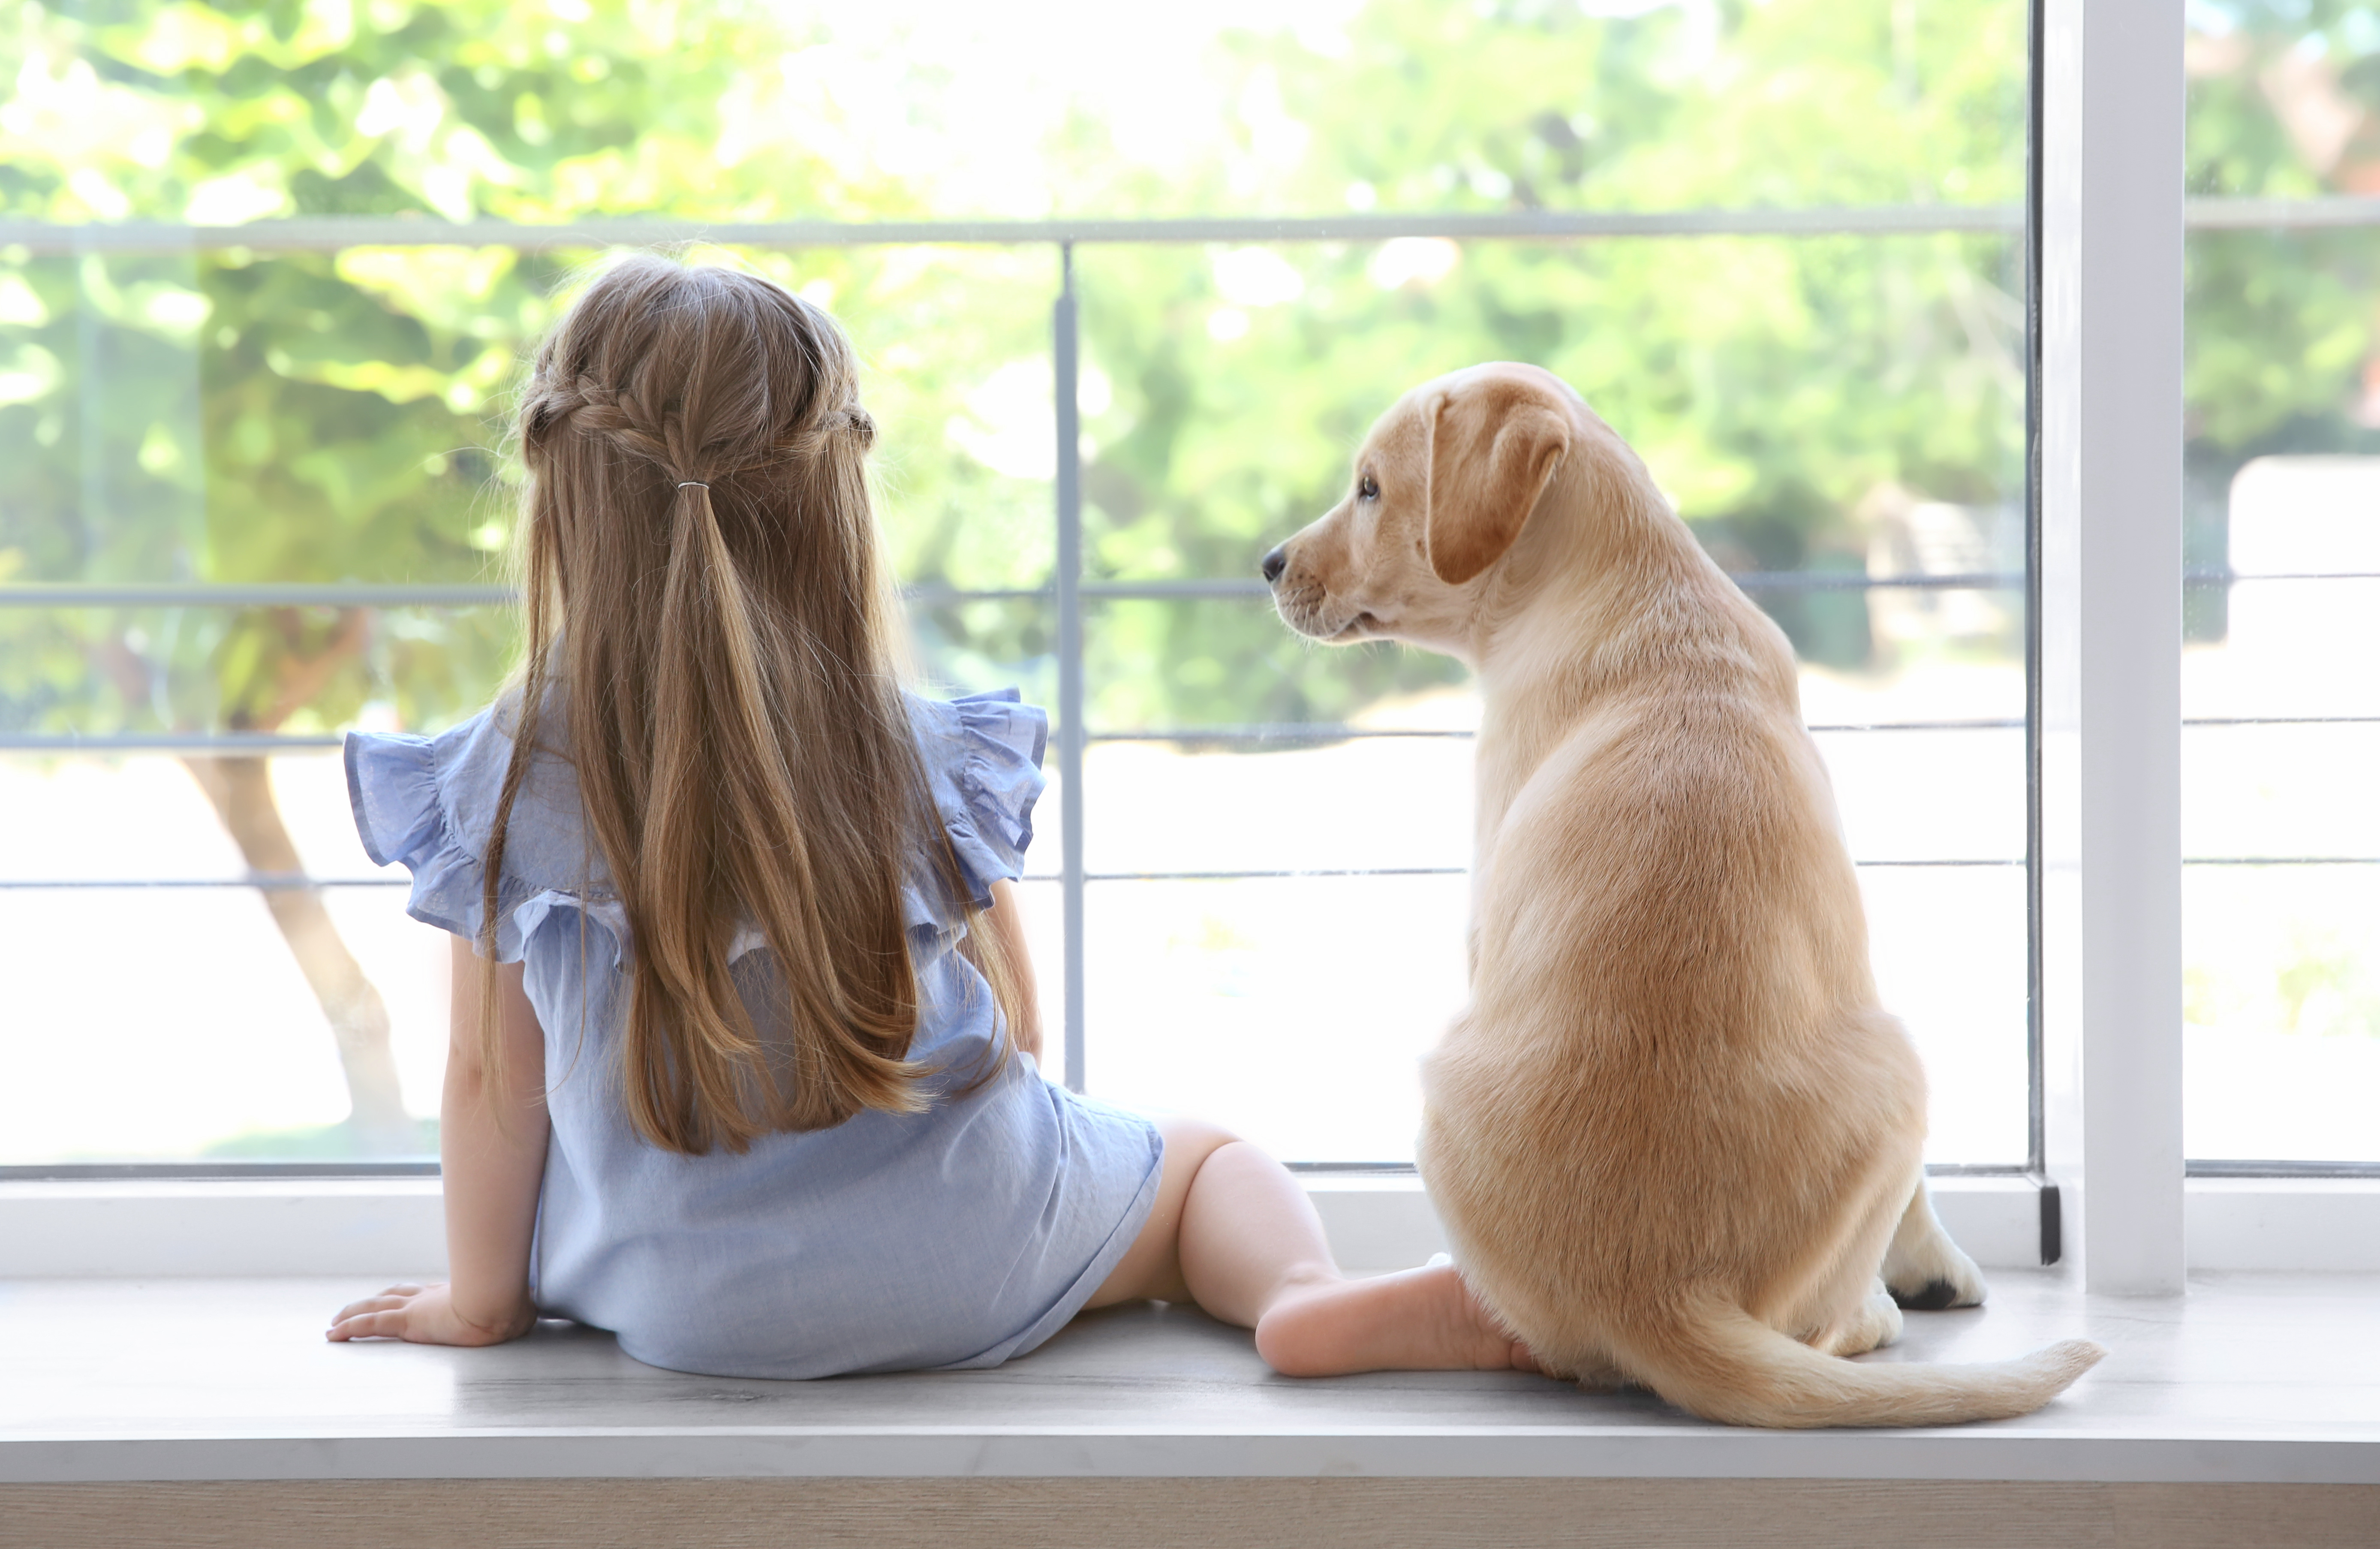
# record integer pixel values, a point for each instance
(1594, 1375)
(1931, 1297)
(1876, 1325)
(1939, 1276)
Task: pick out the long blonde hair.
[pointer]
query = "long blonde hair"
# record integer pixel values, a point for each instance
(699, 548)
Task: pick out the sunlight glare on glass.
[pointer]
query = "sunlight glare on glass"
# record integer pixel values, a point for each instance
(1011, 79)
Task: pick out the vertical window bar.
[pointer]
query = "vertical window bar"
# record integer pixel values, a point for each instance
(89, 405)
(2036, 1150)
(1069, 580)
(2113, 110)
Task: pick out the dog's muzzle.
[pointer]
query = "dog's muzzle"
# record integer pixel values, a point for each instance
(1302, 604)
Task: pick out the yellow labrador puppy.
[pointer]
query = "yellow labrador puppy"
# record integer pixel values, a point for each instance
(1673, 1136)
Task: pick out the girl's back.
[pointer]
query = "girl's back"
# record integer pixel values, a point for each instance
(746, 878)
(958, 1236)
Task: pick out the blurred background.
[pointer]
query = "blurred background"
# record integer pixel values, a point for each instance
(218, 446)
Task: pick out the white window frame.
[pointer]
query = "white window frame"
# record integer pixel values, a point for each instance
(2108, 677)
(2109, 577)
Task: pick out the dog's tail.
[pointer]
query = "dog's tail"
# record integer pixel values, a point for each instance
(1724, 1364)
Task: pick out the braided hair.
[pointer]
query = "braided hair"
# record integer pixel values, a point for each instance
(703, 582)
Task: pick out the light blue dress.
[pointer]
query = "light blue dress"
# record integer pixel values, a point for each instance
(958, 1236)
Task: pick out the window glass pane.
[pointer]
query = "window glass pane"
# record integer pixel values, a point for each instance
(334, 440)
(2281, 890)
(1216, 663)
(1225, 389)
(163, 1015)
(1839, 412)
(1272, 1005)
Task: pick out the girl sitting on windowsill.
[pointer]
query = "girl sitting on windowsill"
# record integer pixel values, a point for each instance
(744, 1069)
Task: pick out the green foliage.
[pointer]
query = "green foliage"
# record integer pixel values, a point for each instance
(2326, 986)
(241, 416)
(1769, 383)
(245, 416)
(2283, 327)
(318, 1142)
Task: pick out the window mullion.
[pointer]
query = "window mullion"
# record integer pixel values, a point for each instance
(2111, 431)
(1065, 362)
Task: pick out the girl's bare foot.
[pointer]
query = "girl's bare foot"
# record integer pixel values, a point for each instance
(1419, 1319)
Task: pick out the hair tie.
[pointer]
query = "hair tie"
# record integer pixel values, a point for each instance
(694, 484)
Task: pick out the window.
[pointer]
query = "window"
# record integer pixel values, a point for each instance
(2281, 893)
(256, 485)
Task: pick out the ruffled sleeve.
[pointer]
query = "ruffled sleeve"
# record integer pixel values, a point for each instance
(401, 788)
(983, 758)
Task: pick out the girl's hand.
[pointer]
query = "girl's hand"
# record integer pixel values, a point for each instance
(424, 1315)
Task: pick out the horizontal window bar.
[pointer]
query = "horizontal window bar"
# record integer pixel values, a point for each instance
(330, 233)
(1287, 732)
(1292, 731)
(166, 742)
(944, 596)
(261, 882)
(2000, 581)
(1822, 581)
(305, 594)
(1405, 872)
(2279, 215)
(1323, 731)
(1338, 732)
(292, 594)
(273, 883)
(2281, 1169)
(2000, 723)
(2280, 720)
(300, 594)
(2281, 860)
(2240, 577)
(1160, 590)
(66, 1172)
(1277, 876)
(1750, 580)
(92, 1172)
(269, 742)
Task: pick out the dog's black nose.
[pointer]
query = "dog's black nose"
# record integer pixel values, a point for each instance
(1275, 563)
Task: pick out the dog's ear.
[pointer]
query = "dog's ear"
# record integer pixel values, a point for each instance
(1493, 447)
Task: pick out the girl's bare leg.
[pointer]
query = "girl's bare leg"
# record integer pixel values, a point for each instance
(1234, 1232)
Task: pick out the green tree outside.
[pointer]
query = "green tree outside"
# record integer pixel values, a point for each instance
(238, 415)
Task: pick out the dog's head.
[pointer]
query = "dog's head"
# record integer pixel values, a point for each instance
(1442, 489)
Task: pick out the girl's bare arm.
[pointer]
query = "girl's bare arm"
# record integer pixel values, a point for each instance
(493, 1164)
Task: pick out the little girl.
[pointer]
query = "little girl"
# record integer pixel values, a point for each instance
(744, 1064)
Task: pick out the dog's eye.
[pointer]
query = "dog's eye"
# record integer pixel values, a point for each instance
(1368, 488)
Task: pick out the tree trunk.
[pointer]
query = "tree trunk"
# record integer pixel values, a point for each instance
(241, 789)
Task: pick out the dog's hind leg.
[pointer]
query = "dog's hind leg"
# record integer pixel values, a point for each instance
(1873, 1324)
(1923, 1268)
(1596, 1372)
(1593, 1369)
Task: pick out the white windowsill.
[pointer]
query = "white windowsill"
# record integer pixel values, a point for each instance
(134, 1228)
(2250, 1379)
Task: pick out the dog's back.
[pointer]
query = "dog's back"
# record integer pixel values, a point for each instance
(1675, 1132)
(1671, 976)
